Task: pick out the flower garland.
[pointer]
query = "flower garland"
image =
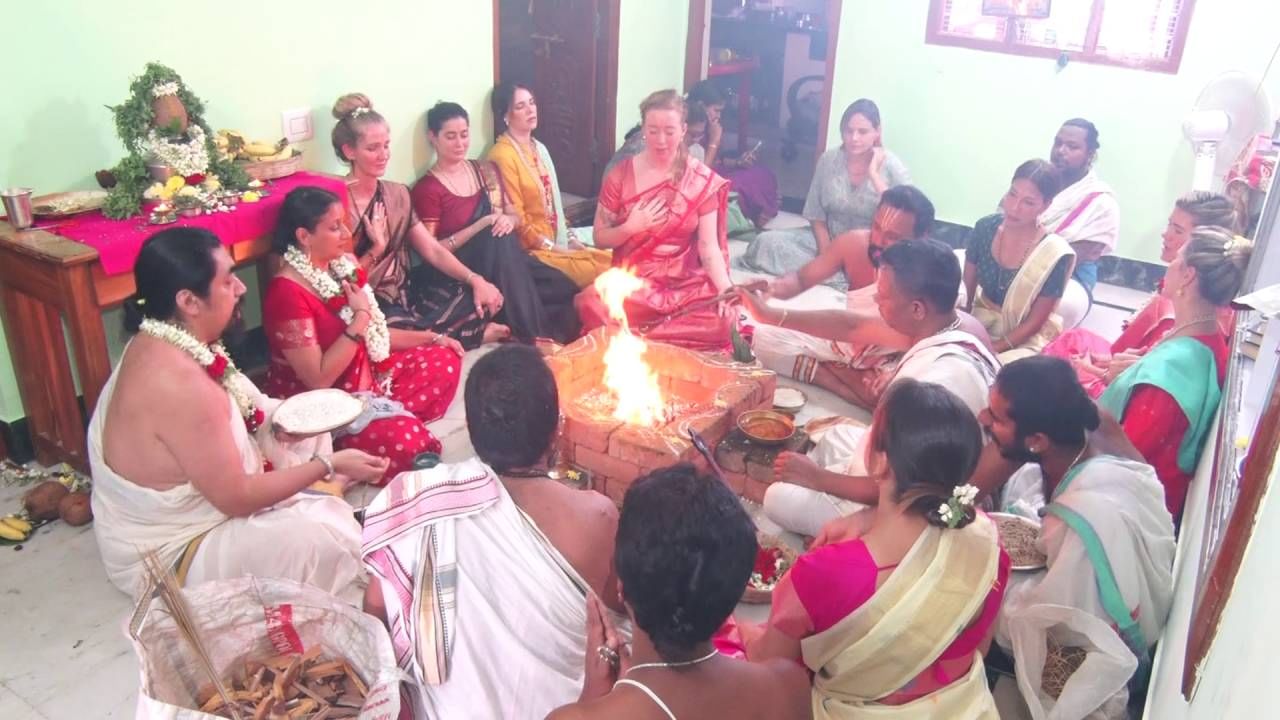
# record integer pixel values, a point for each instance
(215, 361)
(328, 286)
(189, 157)
(165, 88)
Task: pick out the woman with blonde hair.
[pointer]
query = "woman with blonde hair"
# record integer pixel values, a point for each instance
(1097, 361)
(458, 302)
(663, 214)
(1167, 400)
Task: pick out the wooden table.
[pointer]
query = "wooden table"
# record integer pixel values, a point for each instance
(44, 280)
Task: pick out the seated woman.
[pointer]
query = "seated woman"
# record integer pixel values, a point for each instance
(503, 555)
(181, 447)
(684, 551)
(844, 194)
(462, 202)
(533, 190)
(840, 609)
(1021, 268)
(324, 330)
(443, 296)
(1097, 361)
(663, 213)
(1167, 400)
(756, 185)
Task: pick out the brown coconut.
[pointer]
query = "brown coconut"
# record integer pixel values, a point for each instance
(74, 509)
(42, 502)
(167, 110)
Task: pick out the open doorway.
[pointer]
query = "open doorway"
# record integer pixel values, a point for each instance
(573, 74)
(773, 62)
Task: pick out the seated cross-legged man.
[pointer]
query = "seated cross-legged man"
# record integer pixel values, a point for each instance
(483, 567)
(915, 295)
(182, 451)
(1106, 532)
(850, 352)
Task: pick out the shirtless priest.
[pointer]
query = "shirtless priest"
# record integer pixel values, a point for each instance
(177, 456)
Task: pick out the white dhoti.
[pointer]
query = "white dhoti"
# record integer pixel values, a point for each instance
(486, 615)
(311, 538)
(953, 359)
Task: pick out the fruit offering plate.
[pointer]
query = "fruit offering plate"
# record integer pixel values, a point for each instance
(317, 411)
(273, 169)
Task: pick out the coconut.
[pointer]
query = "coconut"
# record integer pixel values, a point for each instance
(74, 509)
(42, 502)
(167, 111)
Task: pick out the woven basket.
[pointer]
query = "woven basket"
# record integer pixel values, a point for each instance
(274, 169)
(759, 597)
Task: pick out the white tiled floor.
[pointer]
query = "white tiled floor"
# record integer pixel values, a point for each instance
(63, 649)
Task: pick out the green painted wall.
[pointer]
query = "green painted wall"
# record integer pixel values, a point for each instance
(250, 60)
(962, 119)
(650, 53)
(247, 61)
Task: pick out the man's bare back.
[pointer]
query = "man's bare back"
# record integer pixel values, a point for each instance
(580, 524)
(161, 395)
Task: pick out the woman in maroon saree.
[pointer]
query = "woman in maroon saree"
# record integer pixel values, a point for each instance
(663, 214)
(463, 203)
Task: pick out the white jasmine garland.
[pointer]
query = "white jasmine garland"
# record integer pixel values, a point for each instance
(167, 88)
(327, 285)
(186, 158)
(206, 355)
(953, 511)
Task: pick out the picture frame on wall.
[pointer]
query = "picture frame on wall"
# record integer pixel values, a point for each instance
(1034, 9)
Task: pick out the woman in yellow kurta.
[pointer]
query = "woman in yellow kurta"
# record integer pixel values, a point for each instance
(530, 180)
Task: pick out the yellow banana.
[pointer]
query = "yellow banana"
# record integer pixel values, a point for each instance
(17, 523)
(9, 532)
(259, 149)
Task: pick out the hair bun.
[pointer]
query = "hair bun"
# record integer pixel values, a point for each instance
(348, 103)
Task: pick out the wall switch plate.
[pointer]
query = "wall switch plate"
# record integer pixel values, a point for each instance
(295, 124)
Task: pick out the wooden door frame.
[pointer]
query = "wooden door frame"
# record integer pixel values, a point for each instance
(605, 129)
(700, 31)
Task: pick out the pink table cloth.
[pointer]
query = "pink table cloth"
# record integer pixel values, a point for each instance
(119, 241)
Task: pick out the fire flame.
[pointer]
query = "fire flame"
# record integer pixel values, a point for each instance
(626, 373)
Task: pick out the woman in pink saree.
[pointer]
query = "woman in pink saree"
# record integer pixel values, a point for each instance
(663, 214)
(1097, 362)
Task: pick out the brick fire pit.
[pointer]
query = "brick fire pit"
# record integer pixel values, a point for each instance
(703, 392)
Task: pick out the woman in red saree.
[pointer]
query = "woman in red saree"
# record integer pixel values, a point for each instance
(1098, 362)
(1168, 399)
(324, 330)
(663, 214)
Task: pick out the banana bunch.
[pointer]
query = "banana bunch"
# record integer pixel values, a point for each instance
(15, 529)
(235, 145)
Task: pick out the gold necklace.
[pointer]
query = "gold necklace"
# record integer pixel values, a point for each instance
(1191, 323)
(449, 183)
